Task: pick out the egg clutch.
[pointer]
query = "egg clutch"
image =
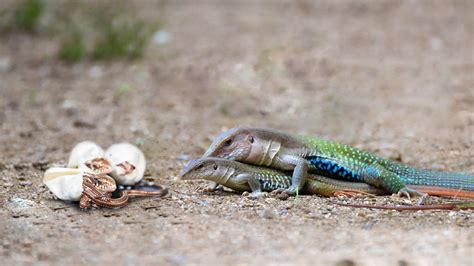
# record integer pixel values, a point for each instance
(121, 164)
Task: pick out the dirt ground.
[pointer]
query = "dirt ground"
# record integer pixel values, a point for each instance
(392, 77)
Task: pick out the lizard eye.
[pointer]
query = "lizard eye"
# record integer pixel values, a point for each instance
(228, 142)
(200, 166)
(251, 139)
(215, 166)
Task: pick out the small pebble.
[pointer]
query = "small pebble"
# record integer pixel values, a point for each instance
(161, 37)
(83, 124)
(184, 157)
(25, 183)
(95, 72)
(5, 64)
(345, 262)
(71, 107)
(22, 203)
(267, 214)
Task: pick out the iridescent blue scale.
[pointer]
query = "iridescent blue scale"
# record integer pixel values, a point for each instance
(332, 169)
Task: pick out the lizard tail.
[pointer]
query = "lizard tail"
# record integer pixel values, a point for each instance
(412, 176)
(444, 192)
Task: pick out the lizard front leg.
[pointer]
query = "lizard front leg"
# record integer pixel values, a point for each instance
(253, 184)
(300, 172)
(85, 202)
(212, 187)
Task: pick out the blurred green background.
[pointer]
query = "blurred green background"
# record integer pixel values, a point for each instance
(83, 30)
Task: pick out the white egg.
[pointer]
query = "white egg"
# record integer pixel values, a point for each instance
(65, 183)
(83, 152)
(128, 163)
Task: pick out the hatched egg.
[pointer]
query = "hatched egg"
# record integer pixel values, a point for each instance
(128, 163)
(89, 157)
(65, 183)
(84, 151)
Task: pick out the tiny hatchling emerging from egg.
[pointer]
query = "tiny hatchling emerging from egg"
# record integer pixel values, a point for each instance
(89, 157)
(128, 163)
(99, 166)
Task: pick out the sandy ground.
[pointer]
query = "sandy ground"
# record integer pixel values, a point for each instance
(392, 77)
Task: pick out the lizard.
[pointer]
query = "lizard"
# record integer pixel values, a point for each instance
(97, 192)
(259, 180)
(303, 155)
(243, 177)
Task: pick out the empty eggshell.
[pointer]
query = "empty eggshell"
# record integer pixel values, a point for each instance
(83, 152)
(65, 183)
(128, 162)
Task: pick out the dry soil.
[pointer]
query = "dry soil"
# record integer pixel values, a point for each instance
(392, 77)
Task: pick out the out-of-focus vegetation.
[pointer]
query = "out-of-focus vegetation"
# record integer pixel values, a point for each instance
(72, 47)
(28, 14)
(125, 38)
(82, 30)
(21, 16)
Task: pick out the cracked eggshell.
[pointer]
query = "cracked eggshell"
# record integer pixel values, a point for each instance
(82, 152)
(65, 183)
(121, 153)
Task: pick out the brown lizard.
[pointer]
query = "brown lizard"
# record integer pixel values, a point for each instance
(98, 192)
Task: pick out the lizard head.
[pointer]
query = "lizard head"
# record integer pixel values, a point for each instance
(99, 165)
(247, 145)
(234, 144)
(214, 169)
(126, 168)
(202, 168)
(101, 182)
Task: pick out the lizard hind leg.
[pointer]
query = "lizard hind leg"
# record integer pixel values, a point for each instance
(377, 175)
(406, 191)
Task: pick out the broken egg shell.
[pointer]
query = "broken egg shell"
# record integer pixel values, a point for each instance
(128, 162)
(65, 183)
(84, 151)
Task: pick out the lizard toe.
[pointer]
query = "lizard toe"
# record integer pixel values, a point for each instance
(408, 192)
(422, 200)
(403, 193)
(292, 190)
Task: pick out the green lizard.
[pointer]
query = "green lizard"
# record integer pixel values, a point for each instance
(244, 177)
(302, 154)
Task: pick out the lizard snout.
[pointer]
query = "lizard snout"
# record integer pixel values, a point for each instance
(185, 173)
